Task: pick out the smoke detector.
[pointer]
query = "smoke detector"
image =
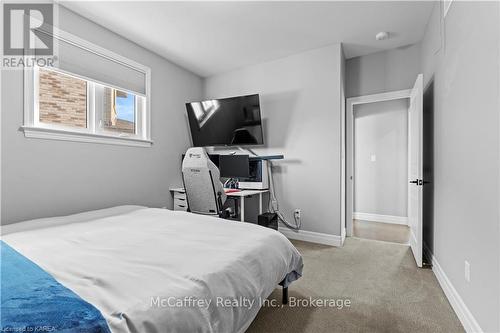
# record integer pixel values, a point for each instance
(383, 35)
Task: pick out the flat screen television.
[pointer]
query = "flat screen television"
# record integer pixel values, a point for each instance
(233, 121)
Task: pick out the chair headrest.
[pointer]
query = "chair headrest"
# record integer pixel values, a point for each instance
(196, 157)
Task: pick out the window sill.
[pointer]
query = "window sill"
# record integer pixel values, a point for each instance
(64, 135)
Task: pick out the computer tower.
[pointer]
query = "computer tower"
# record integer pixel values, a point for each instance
(268, 220)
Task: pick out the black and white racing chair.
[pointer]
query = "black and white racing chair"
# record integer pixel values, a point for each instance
(204, 191)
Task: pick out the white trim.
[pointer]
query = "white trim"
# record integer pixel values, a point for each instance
(342, 148)
(382, 97)
(313, 237)
(65, 135)
(380, 218)
(91, 100)
(388, 96)
(147, 107)
(468, 321)
(29, 108)
(36, 97)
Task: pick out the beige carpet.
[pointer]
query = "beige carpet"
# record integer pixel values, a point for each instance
(387, 232)
(387, 291)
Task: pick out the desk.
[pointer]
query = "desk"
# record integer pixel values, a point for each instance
(180, 194)
(248, 193)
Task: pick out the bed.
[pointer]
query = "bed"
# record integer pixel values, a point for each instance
(156, 270)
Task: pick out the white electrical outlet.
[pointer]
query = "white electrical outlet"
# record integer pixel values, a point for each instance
(467, 271)
(296, 214)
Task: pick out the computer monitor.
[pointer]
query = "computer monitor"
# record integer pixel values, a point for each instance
(234, 166)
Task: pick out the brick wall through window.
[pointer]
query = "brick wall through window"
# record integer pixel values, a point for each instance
(62, 99)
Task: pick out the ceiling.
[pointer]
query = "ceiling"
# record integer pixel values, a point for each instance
(213, 37)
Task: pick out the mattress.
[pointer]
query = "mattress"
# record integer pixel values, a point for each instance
(156, 270)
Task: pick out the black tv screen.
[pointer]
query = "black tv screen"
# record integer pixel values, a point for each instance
(231, 121)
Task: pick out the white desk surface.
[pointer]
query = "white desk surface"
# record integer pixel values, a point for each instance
(242, 193)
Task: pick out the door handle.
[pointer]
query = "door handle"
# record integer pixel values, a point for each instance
(414, 181)
(417, 182)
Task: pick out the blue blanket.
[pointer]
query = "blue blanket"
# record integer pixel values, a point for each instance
(33, 301)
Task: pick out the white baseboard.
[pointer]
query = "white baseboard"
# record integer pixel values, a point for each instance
(313, 237)
(381, 218)
(466, 318)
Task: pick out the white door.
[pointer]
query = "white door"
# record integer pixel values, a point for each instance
(415, 169)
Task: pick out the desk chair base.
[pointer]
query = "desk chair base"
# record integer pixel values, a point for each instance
(225, 214)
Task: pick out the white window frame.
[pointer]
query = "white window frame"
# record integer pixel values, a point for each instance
(93, 133)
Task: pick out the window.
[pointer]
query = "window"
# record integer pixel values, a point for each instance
(74, 106)
(90, 95)
(119, 111)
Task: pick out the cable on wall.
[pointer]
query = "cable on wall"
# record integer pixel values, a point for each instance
(273, 201)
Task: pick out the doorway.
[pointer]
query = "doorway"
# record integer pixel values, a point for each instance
(380, 145)
(373, 180)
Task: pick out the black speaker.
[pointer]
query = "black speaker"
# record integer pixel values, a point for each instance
(268, 220)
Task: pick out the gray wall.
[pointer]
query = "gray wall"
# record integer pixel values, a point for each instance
(375, 73)
(300, 100)
(465, 68)
(381, 130)
(43, 178)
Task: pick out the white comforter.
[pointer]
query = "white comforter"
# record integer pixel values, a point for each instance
(156, 270)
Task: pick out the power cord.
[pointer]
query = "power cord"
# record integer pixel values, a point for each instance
(273, 204)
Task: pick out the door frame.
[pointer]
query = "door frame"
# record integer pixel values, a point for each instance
(349, 177)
